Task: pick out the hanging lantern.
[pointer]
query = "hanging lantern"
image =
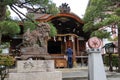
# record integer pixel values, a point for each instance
(69, 37)
(54, 38)
(64, 39)
(72, 38)
(59, 38)
(49, 38)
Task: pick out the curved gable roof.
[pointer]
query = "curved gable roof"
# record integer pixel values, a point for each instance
(48, 17)
(65, 23)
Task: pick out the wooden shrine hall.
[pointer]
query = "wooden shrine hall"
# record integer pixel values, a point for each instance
(69, 32)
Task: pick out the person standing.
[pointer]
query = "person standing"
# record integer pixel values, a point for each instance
(69, 53)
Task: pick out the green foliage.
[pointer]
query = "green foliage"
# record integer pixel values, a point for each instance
(53, 30)
(96, 17)
(88, 26)
(117, 11)
(89, 15)
(46, 6)
(6, 60)
(0, 50)
(113, 39)
(114, 60)
(7, 15)
(30, 15)
(52, 9)
(30, 25)
(38, 2)
(111, 20)
(100, 34)
(9, 28)
(93, 13)
(7, 2)
(94, 10)
(5, 45)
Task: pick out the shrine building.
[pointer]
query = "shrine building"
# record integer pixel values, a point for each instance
(69, 32)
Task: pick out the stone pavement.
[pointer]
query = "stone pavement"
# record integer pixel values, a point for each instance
(81, 73)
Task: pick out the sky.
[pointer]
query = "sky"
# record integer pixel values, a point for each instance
(77, 6)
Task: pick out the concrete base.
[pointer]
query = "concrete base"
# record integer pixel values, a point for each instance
(95, 65)
(57, 75)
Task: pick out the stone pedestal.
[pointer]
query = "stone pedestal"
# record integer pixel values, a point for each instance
(56, 75)
(95, 65)
(36, 70)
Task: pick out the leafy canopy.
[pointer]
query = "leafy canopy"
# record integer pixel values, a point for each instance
(101, 13)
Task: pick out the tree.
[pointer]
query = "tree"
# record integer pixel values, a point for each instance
(8, 26)
(103, 13)
(33, 6)
(94, 16)
(118, 23)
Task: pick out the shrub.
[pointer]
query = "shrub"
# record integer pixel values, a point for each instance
(6, 60)
(114, 60)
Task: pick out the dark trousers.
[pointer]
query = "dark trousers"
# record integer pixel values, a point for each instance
(70, 62)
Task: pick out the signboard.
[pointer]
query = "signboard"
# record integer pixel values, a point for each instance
(94, 42)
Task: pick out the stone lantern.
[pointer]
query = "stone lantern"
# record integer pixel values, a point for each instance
(109, 49)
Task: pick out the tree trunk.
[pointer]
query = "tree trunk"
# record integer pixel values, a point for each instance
(2, 16)
(2, 12)
(110, 62)
(0, 38)
(118, 49)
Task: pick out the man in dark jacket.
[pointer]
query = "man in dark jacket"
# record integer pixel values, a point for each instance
(69, 52)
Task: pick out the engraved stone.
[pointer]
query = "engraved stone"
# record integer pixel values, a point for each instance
(36, 70)
(35, 65)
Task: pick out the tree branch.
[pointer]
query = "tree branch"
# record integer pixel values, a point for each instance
(20, 4)
(24, 15)
(17, 14)
(23, 6)
(32, 8)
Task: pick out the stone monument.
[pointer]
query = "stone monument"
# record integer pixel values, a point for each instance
(35, 70)
(35, 42)
(35, 45)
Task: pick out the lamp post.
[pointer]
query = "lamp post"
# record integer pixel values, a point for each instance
(109, 48)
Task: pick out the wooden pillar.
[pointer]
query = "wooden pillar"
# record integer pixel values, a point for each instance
(78, 50)
(74, 52)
